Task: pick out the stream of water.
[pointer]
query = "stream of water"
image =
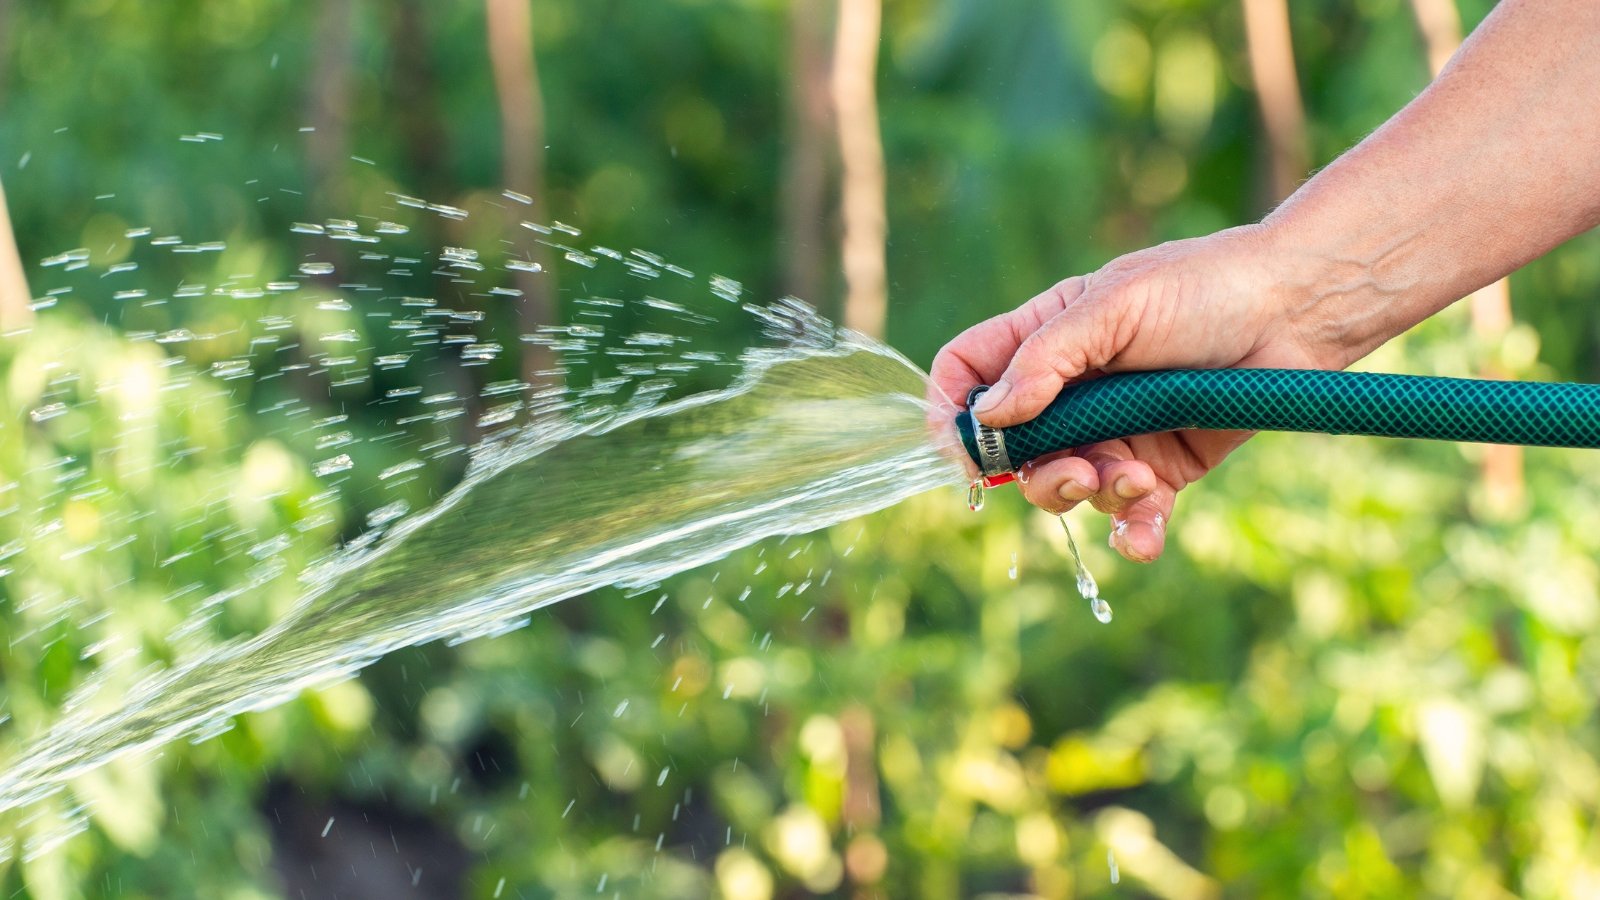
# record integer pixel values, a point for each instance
(823, 427)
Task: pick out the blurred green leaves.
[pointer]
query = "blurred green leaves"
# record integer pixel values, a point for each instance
(1350, 677)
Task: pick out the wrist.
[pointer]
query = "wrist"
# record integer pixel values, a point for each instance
(1342, 290)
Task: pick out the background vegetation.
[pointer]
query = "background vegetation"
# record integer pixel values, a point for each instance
(1364, 668)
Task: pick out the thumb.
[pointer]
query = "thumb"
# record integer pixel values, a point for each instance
(1082, 337)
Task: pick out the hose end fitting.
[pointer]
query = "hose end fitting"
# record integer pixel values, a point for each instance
(986, 445)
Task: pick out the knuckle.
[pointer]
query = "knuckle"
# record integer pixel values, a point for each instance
(1103, 459)
(1066, 292)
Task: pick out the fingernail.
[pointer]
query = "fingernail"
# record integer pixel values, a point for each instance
(991, 398)
(1073, 491)
(1124, 488)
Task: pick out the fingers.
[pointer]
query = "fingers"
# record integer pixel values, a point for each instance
(1058, 482)
(1122, 482)
(1085, 335)
(1113, 481)
(1138, 501)
(1105, 474)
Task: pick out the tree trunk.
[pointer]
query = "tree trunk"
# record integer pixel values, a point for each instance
(328, 145)
(15, 300)
(7, 16)
(516, 81)
(862, 808)
(855, 102)
(1266, 26)
(1439, 24)
(805, 164)
(415, 97)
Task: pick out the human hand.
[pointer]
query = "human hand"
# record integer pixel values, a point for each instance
(1222, 301)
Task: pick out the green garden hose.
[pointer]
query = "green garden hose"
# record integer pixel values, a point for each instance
(1310, 400)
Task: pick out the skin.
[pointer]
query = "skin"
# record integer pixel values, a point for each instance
(1497, 162)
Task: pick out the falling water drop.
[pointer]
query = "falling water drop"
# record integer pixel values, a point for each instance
(1087, 587)
(975, 495)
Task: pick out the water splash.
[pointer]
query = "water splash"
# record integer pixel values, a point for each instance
(1087, 587)
(825, 427)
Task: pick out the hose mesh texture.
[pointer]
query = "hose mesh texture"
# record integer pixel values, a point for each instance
(1312, 400)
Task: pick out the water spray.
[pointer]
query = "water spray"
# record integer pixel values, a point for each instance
(1304, 400)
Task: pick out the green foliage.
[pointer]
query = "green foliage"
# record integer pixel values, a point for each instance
(1353, 675)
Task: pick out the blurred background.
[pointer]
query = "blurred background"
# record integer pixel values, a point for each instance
(1364, 668)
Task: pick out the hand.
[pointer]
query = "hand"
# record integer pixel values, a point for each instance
(1222, 301)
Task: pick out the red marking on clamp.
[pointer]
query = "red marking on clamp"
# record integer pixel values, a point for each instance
(990, 481)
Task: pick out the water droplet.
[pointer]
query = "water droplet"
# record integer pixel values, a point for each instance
(1088, 589)
(1111, 863)
(387, 513)
(975, 495)
(229, 369)
(1012, 573)
(339, 463)
(316, 268)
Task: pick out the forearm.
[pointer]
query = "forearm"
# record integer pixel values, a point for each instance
(1494, 164)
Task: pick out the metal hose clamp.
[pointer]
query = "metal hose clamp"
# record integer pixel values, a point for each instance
(992, 458)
